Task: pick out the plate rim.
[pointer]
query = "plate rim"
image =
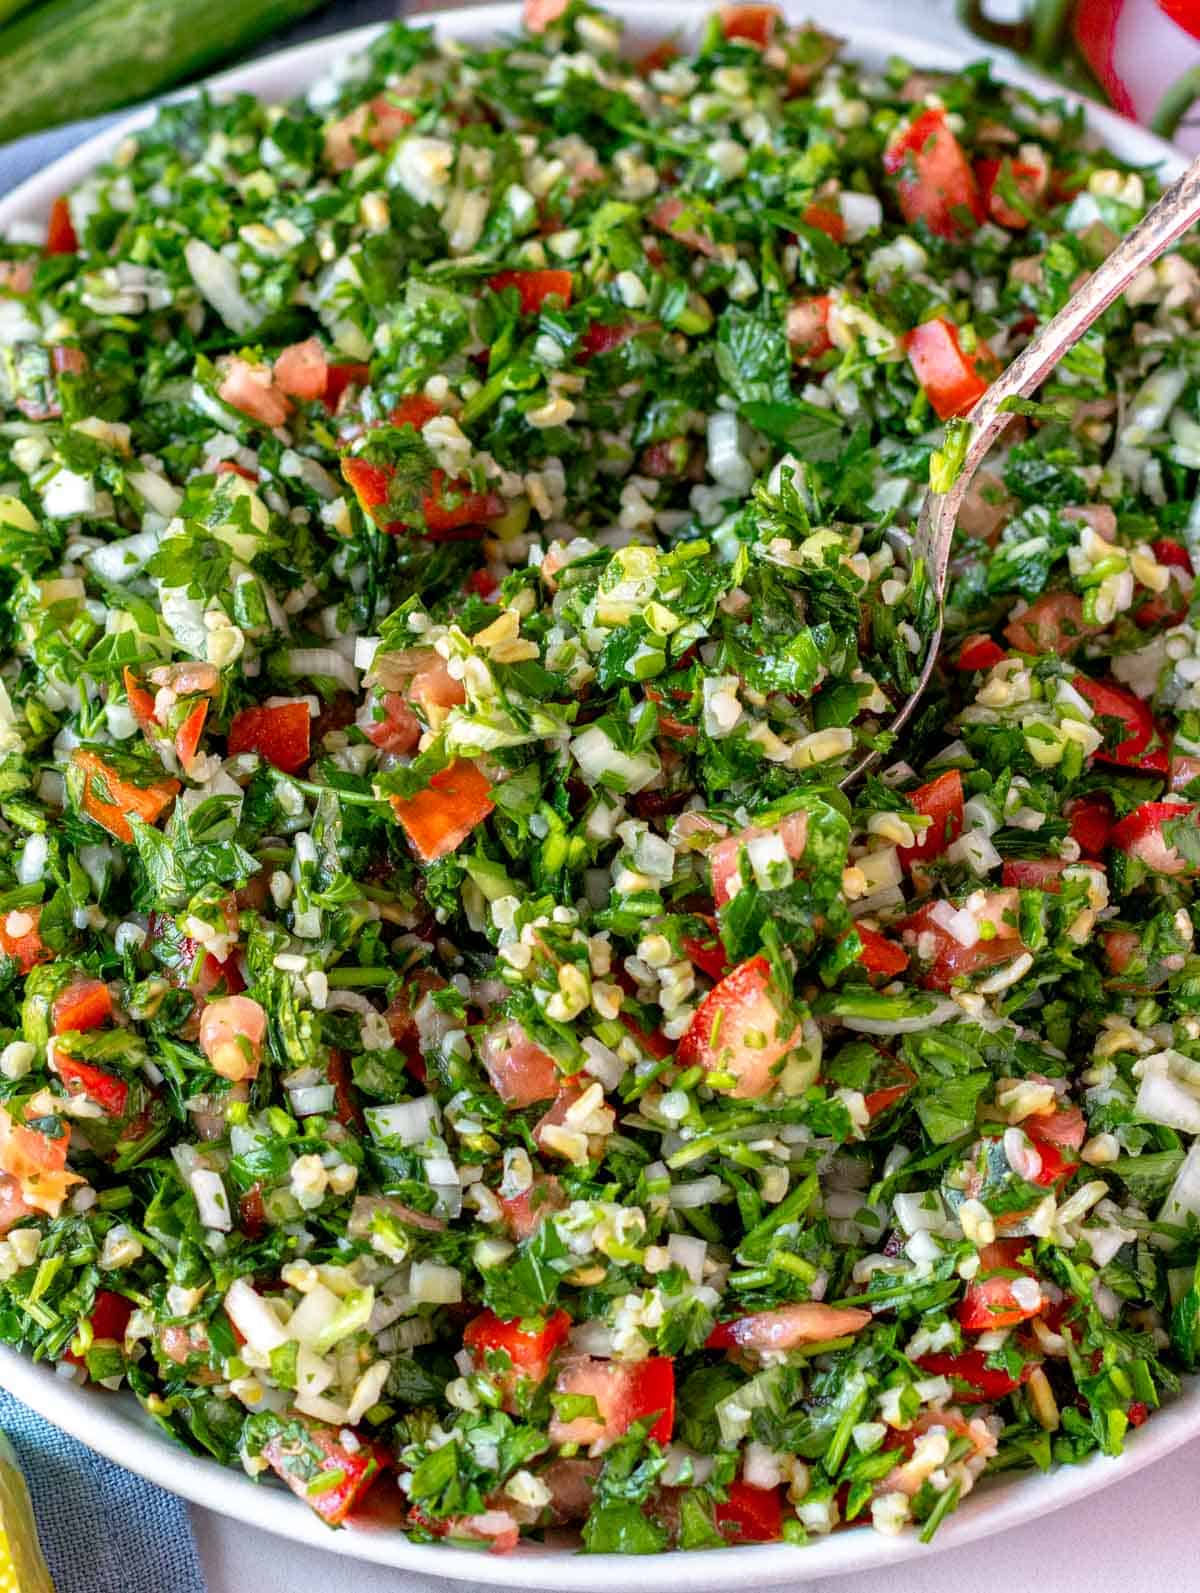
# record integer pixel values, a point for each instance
(119, 1434)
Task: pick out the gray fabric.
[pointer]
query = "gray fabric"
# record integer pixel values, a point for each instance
(103, 1530)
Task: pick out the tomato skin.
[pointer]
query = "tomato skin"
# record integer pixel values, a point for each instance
(751, 1515)
(84, 1004)
(968, 1366)
(935, 183)
(451, 508)
(1140, 835)
(708, 954)
(61, 237)
(826, 220)
(109, 1093)
(321, 1452)
(988, 1302)
(1091, 821)
(1144, 747)
(280, 734)
(979, 653)
(534, 287)
(787, 1327)
(879, 955)
(944, 370)
(530, 1350)
(941, 801)
(439, 819)
(110, 1315)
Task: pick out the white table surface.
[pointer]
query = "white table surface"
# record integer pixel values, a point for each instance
(1142, 1536)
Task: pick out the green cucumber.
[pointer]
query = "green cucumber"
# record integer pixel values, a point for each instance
(73, 58)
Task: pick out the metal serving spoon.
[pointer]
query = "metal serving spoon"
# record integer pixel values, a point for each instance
(1164, 224)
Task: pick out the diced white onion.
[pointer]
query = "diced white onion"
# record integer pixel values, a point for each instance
(410, 1122)
(310, 661)
(218, 281)
(254, 1317)
(434, 1284)
(312, 1099)
(700, 1192)
(688, 1251)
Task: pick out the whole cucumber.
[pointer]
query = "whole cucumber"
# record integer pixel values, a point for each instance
(73, 58)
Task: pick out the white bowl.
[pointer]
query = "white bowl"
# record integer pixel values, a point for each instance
(115, 1425)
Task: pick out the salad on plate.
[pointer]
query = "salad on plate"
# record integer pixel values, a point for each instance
(461, 1050)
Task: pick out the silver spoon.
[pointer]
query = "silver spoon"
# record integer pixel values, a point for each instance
(1164, 224)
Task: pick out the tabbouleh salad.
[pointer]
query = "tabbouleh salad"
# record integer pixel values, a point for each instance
(459, 1045)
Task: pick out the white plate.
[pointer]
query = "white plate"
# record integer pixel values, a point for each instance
(115, 1425)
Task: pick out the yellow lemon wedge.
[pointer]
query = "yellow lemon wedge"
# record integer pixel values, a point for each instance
(22, 1568)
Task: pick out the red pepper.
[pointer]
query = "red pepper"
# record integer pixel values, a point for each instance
(529, 1345)
(453, 508)
(439, 819)
(280, 734)
(60, 233)
(534, 287)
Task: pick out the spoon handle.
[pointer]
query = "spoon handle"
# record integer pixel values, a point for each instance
(1163, 224)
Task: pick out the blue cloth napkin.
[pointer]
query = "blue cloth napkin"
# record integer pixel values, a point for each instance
(103, 1530)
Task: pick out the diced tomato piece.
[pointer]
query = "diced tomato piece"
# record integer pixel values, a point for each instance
(969, 1366)
(941, 801)
(602, 338)
(110, 1315)
(877, 1102)
(655, 60)
(879, 955)
(230, 467)
(66, 360)
(951, 959)
(1054, 623)
(302, 371)
(624, 1391)
(84, 1004)
(542, 14)
(1029, 179)
(1140, 834)
(416, 411)
(978, 653)
(371, 484)
(1038, 874)
(279, 733)
(319, 1456)
(948, 374)
(1137, 1413)
(251, 389)
(807, 327)
(989, 1301)
(110, 800)
(787, 1328)
(389, 723)
(521, 1072)
(60, 231)
(1169, 607)
(482, 583)
(1171, 553)
(20, 937)
(530, 1344)
(1091, 821)
(1144, 746)
(1056, 1164)
(109, 1093)
(534, 287)
(186, 963)
(525, 1213)
(665, 217)
(141, 702)
(13, 1207)
(378, 123)
(252, 1215)
(739, 1029)
(725, 857)
(454, 508)
(751, 24)
(827, 220)
(338, 378)
(233, 1035)
(935, 183)
(439, 819)
(187, 737)
(37, 1162)
(708, 954)
(751, 1515)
